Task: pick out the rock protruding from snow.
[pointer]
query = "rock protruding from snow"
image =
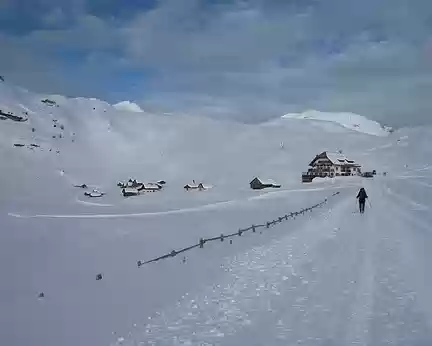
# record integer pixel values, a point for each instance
(351, 121)
(128, 106)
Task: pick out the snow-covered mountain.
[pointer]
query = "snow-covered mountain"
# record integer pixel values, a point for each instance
(128, 106)
(331, 276)
(350, 121)
(176, 148)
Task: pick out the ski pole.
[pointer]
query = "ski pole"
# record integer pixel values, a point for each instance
(370, 205)
(357, 208)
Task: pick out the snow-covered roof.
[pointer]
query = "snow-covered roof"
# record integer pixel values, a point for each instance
(94, 193)
(133, 184)
(335, 158)
(199, 185)
(267, 181)
(130, 190)
(339, 159)
(150, 186)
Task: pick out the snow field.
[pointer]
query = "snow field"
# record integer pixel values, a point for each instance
(330, 277)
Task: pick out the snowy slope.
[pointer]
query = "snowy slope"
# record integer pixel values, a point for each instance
(350, 121)
(330, 277)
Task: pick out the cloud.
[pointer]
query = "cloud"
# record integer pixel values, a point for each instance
(23, 66)
(248, 59)
(54, 18)
(89, 33)
(254, 60)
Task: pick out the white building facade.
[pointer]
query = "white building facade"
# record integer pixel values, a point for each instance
(332, 165)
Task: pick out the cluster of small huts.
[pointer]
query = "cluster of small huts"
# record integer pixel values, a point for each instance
(323, 165)
(133, 188)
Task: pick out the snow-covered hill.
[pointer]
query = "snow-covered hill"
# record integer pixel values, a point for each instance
(350, 121)
(128, 106)
(327, 277)
(95, 143)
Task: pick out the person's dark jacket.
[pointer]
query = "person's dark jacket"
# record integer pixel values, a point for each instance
(362, 195)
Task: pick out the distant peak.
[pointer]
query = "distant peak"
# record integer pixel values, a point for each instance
(128, 106)
(350, 121)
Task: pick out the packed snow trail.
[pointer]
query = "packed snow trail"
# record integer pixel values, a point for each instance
(341, 279)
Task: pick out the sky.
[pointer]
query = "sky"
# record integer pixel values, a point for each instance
(249, 60)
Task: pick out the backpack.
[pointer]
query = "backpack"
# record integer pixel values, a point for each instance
(362, 194)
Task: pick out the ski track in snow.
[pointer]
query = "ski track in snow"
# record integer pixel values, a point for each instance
(206, 207)
(130, 215)
(26, 109)
(254, 286)
(335, 281)
(93, 204)
(407, 201)
(423, 184)
(408, 177)
(422, 169)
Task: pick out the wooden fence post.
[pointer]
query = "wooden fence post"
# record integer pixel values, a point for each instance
(202, 241)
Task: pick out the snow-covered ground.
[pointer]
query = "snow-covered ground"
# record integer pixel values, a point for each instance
(330, 277)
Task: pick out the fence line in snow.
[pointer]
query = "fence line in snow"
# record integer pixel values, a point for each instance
(252, 228)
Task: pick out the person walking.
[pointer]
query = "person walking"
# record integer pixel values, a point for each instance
(361, 196)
